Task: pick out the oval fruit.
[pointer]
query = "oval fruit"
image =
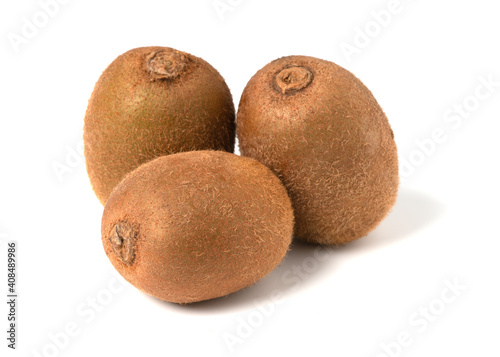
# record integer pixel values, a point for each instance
(150, 102)
(324, 134)
(198, 225)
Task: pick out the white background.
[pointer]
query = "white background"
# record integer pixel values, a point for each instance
(422, 65)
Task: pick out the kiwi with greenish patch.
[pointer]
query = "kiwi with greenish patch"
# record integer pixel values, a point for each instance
(197, 225)
(149, 102)
(323, 133)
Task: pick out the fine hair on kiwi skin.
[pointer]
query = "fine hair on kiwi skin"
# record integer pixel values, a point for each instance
(320, 129)
(150, 102)
(197, 225)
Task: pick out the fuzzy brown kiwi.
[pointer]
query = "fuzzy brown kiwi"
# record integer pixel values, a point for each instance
(323, 133)
(149, 102)
(197, 225)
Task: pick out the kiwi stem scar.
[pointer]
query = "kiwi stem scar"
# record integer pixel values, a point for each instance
(293, 79)
(165, 64)
(122, 241)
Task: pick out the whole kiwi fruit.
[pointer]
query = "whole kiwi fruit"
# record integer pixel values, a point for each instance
(149, 102)
(323, 133)
(197, 225)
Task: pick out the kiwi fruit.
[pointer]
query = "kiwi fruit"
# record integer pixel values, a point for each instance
(150, 102)
(323, 133)
(197, 225)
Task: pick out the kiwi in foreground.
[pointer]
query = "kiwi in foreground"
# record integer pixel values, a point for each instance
(150, 102)
(197, 225)
(323, 133)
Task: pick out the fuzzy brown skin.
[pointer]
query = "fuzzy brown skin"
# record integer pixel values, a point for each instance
(198, 225)
(150, 102)
(324, 134)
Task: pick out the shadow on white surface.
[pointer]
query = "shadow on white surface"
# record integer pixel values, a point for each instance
(413, 211)
(307, 263)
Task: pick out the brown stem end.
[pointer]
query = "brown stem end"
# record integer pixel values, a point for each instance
(293, 79)
(166, 64)
(122, 241)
